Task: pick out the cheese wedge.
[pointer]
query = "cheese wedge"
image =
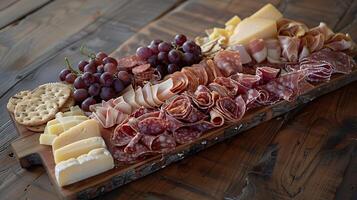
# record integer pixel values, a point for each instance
(268, 12)
(74, 110)
(59, 128)
(147, 93)
(78, 148)
(73, 170)
(253, 28)
(84, 130)
(47, 139)
(234, 21)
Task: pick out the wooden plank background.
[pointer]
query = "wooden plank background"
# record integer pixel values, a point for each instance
(307, 154)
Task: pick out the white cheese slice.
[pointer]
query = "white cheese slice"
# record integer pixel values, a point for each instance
(73, 170)
(84, 130)
(129, 97)
(139, 98)
(147, 93)
(78, 148)
(57, 129)
(47, 139)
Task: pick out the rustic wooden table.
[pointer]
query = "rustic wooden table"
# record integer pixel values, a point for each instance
(310, 153)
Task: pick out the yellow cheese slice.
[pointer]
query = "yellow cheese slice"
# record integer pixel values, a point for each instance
(234, 21)
(129, 97)
(218, 32)
(139, 98)
(73, 170)
(147, 93)
(84, 130)
(57, 129)
(253, 28)
(47, 139)
(268, 12)
(78, 148)
(74, 110)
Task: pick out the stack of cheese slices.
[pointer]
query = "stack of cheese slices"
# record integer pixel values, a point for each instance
(77, 146)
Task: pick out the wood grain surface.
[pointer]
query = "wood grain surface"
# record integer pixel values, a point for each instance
(307, 154)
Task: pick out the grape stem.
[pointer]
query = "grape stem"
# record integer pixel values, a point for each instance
(69, 66)
(87, 52)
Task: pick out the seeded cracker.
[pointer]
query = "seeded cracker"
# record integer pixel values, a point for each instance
(13, 101)
(57, 92)
(35, 111)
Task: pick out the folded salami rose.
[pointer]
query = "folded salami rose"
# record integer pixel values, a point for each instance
(231, 109)
(203, 98)
(230, 84)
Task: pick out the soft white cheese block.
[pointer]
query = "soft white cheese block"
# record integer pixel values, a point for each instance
(47, 139)
(84, 130)
(78, 148)
(85, 166)
(268, 12)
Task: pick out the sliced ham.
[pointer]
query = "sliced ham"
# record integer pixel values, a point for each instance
(140, 99)
(273, 50)
(290, 47)
(148, 96)
(129, 97)
(258, 50)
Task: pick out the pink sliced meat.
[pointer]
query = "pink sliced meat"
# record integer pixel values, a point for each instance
(191, 132)
(139, 153)
(219, 89)
(152, 126)
(131, 146)
(172, 123)
(266, 97)
(250, 97)
(231, 109)
(159, 143)
(340, 42)
(258, 50)
(181, 108)
(290, 47)
(228, 62)
(203, 98)
(273, 50)
(244, 55)
(267, 73)
(130, 62)
(230, 84)
(122, 135)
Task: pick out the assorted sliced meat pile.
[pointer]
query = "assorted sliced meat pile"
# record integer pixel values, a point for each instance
(154, 119)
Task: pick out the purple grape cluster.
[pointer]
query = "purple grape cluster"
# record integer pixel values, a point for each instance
(97, 79)
(167, 57)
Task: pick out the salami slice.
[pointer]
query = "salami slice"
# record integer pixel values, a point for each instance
(180, 82)
(193, 80)
(203, 98)
(159, 143)
(130, 62)
(122, 135)
(139, 152)
(267, 73)
(231, 109)
(152, 126)
(228, 62)
(209, 71)
(219, 89)
(191, 131)
(140, 69)
(230, 84)
(131, 146)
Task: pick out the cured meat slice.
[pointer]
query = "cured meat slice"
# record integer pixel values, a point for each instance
(191, 132)
(200, 73)
(152, 126)
(214, 68)
(107, 115)
(180, 107)
(340, 42)
(216, 118)
(229, 84)
(140, 99)
(258, 50)
(228, 62)
(267, 73)
(209, 71)
(129, 97)
(231, 109)
(130, 62)
(172, 123)
(144, 111)
(139, 152)
(154, 92)
(180, 82)
(140, 69)
(290, 47)
(322, 29)
(159, 143)
(244, 55)
(122, 135)
(245, 81)
(219, 89)
(266, 98)
(250, 97)
(131, 146)
(192, 79)
(290, 28)
(203, 98)
(148, 75)
(121, 105)
(164, 90)
(148, 96)
(273, 50)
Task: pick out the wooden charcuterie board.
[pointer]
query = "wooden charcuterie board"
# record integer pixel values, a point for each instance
(29, 152)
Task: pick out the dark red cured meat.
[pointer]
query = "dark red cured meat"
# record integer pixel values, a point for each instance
(141, 111)
(138, 154)
(231, 109)
(140, 69)
(266, 98)
(172, 123)
(228, 62)
(191, 132)
(246, 80)
(203, 98)
(160, 143)
(130, 62)
(122, 135)
(131, 146)
(152, 126)
(250, 97)
(219, 89)
(267, 73)
(230, 84)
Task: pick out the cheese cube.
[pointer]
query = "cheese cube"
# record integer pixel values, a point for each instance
(84, 130)
(57, 129)
(217, 33)
(234, 21)
(268, 12)
(47, 139)
(75, 110)
(78, 148)
(250, 29)
(85, 166)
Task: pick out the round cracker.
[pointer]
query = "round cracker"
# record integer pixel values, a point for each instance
(35, 112)
(37, 129)
(14, 100)
(67, 106)
(57, 92)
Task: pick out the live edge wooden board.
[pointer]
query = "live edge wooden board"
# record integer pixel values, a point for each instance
(29, 152)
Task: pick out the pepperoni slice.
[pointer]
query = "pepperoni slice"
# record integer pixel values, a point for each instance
(152, 126)
(140, 69)
(130, 62)
(122, 135)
